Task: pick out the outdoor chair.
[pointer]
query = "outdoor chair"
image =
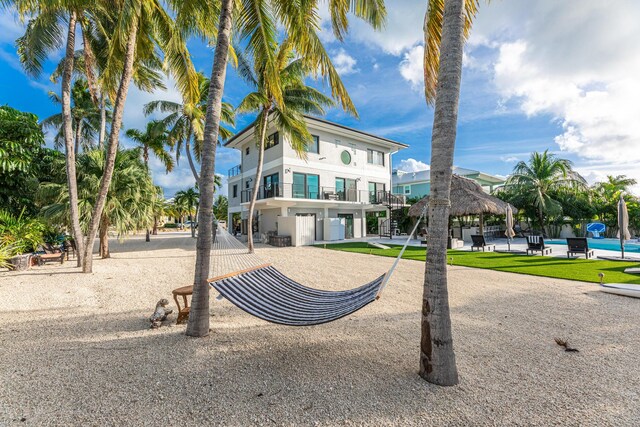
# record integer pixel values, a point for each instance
(51, 249)
(69, 246)
(478, 242)
(579, 246)
(536, 244)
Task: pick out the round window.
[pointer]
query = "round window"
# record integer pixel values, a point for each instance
(346, 157)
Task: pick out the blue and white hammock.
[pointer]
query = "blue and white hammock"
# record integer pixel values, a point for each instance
(264, 292)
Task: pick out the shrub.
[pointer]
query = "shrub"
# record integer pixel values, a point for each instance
(171, 225)
(21, 233)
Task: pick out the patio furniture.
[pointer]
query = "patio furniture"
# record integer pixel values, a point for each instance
(69, 246)
(46, 258)
(280, 241)
(536, 244)
(183, 312)
(480, 243)
(579, 246)
(51, 249)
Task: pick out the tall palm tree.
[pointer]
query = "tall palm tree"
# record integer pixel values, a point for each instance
(538, 179)
(186, 122)
(86, 118)
(129, 202)
(189, 198)
(446, 25)
(288, 113)
(153, 139)
(257, 26)
(142, 26)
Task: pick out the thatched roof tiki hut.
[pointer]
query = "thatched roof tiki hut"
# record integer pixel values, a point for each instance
(467, 198)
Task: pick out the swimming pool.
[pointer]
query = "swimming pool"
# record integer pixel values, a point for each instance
(604, 244)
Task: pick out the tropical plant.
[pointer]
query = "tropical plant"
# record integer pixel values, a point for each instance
(160, 208)
(129, 204)
(21, 152)
(154, 138)
(257, 26)
(85, 118)
(186, 123)
(21, 233)
(605, 199)
(6, 253)
(446, 25)
(538, 180)
(286, 111)
(189, 198)
(221, 207)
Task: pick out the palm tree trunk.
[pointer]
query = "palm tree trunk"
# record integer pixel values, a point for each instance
(193, 230)
(103, 121)
(187, 147)
(77, 137)
(256, 185)
(437, 358)
(118, 109)
(541, 219)
(68, 138)
(199, 313)
(104, 238)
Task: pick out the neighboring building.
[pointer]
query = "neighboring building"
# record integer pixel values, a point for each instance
(418, 184)
(347, 174)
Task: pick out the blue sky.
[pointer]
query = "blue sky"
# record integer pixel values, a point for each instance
(537, 75)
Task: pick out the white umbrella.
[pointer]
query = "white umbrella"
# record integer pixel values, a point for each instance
(509, 231)
(623, 223)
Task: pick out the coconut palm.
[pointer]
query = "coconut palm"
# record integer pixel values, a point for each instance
(257, 26)
(446, 25)
(154, 138)
(186, 122)
(189, 198)
(86, 118)
(221, 207)
(130, 199)
(287, 113)
(539, 179)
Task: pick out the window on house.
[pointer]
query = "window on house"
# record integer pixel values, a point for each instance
(246, 184)
(346, 189)
(272, 140)
(407, 190)
(271, 186)
(235, 190)
(375, 157)
(313, 146)
(377, 191)
(246, 151)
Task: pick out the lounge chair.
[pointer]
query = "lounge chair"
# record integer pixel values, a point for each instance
(580, 246)
(536, 244)
(480, 243)
(69, 246)
(51, 249)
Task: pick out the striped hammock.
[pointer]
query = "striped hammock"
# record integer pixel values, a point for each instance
(264, 292)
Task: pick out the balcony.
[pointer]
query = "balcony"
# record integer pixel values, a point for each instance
(291, 191)
(234, 171)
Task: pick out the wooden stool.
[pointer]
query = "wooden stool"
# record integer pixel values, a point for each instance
(183, 313)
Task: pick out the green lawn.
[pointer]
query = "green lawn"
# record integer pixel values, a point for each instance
(562, 268)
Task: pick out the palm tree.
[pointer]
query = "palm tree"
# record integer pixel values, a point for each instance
(539, 179)
(288, 113)
(186, 122)
(221, 207)
(256, 25)
(130, 199)
(189, 198)
(160, 208)
(86, 118)
(606, 195)
(142, 26)
(154, 138)
(446, 24)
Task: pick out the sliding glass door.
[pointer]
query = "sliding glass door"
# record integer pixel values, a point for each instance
(306, 186)
(346, 189)
(271, 186)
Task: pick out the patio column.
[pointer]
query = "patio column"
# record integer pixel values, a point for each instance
(364, 223)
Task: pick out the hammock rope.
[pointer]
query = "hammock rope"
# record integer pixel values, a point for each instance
(263, 291)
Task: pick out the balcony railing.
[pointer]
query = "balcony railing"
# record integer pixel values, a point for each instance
(234, 171)
(313, 192)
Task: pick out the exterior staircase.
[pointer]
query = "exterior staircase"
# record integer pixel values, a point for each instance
(395, 203)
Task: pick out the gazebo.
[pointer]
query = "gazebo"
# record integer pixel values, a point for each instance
(467, 198)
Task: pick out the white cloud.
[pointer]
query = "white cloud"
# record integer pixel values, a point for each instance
(344, 63)
(12, 28)
(411, 67)
(412, 165)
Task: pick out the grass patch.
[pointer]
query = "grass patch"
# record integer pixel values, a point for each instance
(561, 268)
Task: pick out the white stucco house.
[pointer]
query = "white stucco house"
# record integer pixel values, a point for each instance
(346, 176)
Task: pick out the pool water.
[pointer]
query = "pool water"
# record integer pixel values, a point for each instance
(604, 244)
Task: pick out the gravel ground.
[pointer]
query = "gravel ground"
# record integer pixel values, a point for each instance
(76, 349)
